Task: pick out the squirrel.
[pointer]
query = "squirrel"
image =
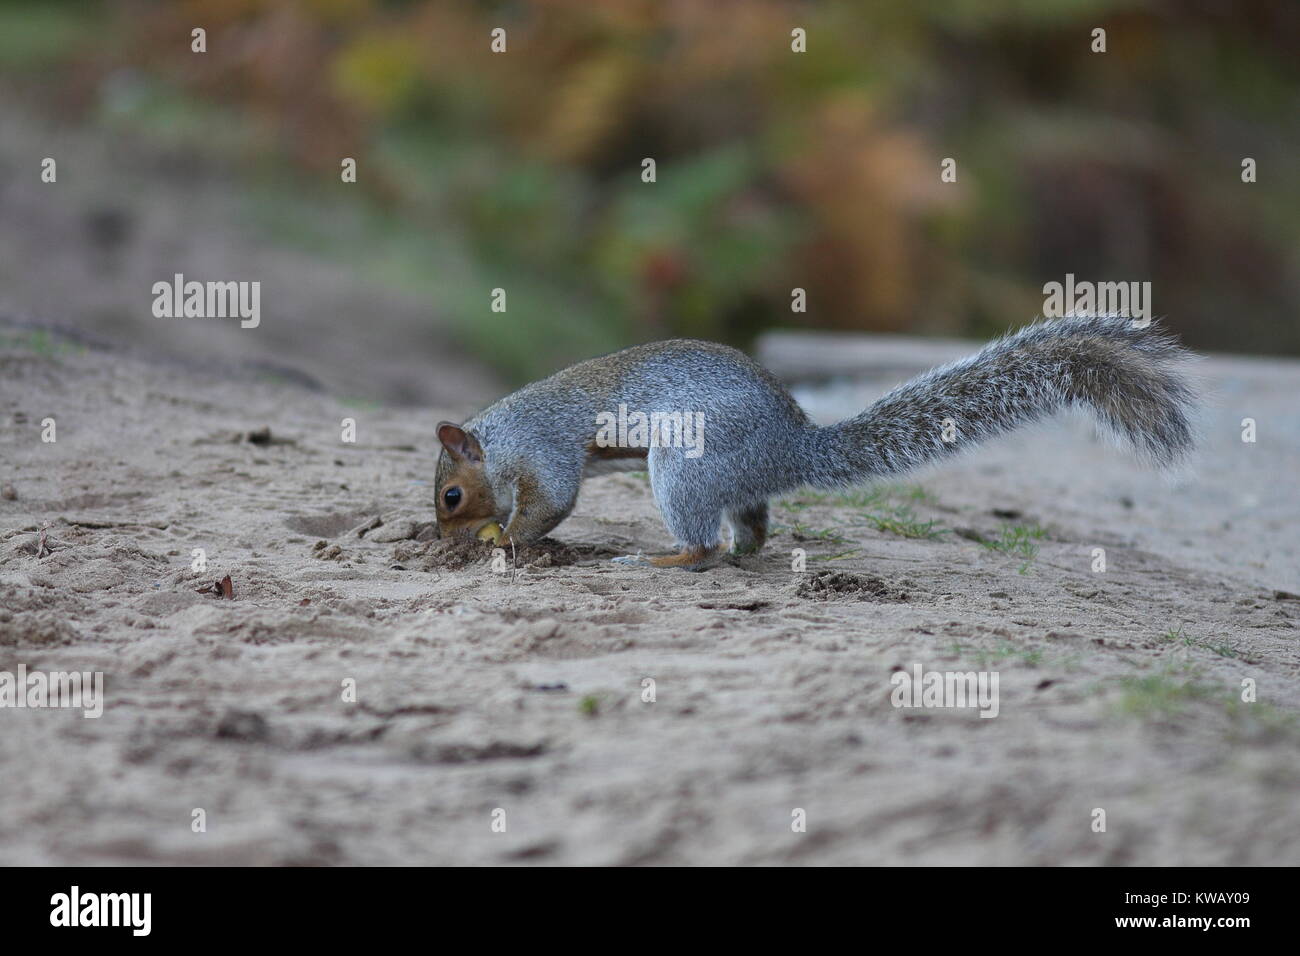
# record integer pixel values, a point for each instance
(518, 464)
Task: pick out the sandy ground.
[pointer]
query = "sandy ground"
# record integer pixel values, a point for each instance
(479, 691)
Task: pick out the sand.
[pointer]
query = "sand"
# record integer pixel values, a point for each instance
(485, 696)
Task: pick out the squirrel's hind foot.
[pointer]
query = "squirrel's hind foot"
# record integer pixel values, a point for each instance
(691, 559)
(637, 559)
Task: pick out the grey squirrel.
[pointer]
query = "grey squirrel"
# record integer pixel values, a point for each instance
(518, 464)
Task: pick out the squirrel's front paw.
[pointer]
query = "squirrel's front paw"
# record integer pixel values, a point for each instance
(637, 559)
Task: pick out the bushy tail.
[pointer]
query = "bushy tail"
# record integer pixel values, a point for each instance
(1129, 378)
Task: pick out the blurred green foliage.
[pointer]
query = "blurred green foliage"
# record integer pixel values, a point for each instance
(775, 169)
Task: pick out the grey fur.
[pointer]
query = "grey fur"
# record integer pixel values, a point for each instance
(759, 442)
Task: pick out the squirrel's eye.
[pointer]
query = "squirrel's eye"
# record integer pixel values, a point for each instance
(452, 498)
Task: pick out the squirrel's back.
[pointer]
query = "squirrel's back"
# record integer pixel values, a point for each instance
(686, 376)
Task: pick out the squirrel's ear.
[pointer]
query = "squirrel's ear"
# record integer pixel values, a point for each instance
(459, 443)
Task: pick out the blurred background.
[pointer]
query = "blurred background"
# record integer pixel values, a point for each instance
(522, 171)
